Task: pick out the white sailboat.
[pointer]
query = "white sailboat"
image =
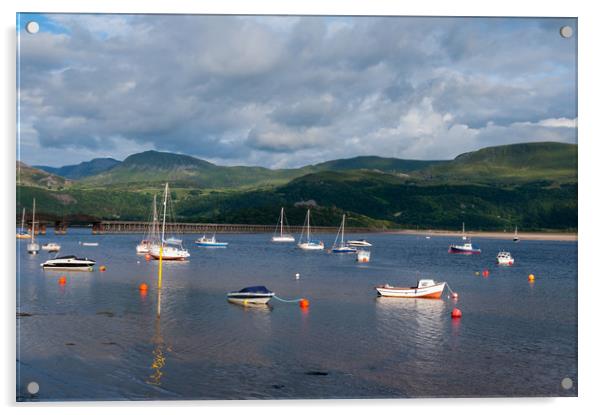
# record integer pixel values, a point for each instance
(463, 232)
(33, 247)
(342, 247)
(151, 238)
(309, 244)
(168, 249)
(282, 236)
(23, 234)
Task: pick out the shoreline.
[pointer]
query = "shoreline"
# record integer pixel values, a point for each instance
(525, 236)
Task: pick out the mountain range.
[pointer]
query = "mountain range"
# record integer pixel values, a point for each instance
(532, 185)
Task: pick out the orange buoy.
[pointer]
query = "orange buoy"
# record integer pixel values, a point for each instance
(303, 303)
(147, 257)
(62, 280)
(143, 287)
(531, 277)
(102, 268)
(485, 272)
(456, 313)
(455, 296)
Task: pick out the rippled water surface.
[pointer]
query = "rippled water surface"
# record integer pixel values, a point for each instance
(98, 338)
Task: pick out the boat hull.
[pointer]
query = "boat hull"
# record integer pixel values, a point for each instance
(344, 250)
(459, 250)
(170, 254)
(359, 243)
(283, 239)
(212, 244)
(23, 236)
(249, 298)
(311, 246)
(433, 292)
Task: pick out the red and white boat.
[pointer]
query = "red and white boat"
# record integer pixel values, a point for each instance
(424, 289)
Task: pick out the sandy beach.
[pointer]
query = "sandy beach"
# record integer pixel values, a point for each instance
(531, 236)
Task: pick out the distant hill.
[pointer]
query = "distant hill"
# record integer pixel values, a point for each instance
(29, 176)
(383, 164)
(514, 162)
(84, 169)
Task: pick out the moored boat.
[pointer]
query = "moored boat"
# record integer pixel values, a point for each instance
(51, 247)
(170, 249)
(515, 238)
(465, 248)
(309, 244)
(88, 243)
(152, 236)
(33, 247)
(341, 247)
(23, 234)
(210, 242)
(363, 255)
(504, 258)
(69, 262)
(283, 235)
(359, 242)
(251, 295)
(424, 289)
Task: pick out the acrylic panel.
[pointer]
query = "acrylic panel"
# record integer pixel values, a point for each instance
(295, 207)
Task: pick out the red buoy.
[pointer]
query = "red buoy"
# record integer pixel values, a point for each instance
(143, 287)
(62, 280)
(102, 268)
(485, 272)
(147, 257)
(304, 303)
(456, 313)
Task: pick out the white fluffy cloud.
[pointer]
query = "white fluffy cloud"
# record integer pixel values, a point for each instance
(288, 91)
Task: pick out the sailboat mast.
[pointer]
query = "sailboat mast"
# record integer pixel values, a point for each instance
(308, 239)
(164, 213)
(281, 220)
(154, 227)
(23, 221)
(33, 222)
(343, 231)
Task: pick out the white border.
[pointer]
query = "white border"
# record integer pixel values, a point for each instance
(590, 71)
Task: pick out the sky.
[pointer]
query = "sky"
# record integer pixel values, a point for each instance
(287, 91)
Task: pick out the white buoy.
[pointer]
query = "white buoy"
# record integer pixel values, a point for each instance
(297, 276)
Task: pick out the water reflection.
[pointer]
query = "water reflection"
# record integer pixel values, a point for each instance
(159, 358)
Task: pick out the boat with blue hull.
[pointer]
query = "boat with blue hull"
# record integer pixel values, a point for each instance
(210, 242)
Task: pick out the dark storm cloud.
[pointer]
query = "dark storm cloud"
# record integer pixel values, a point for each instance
(286, 91)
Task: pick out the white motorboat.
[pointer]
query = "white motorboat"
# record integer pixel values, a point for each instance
(363, 255)
(309, 244)
(359, 243)
(424, 289)
(504, 258)
(69, 262)
(170, 249)
(341, 247)
(33, 247)
(88, 243)
(51, 247)
(281, 234)
(251, 295)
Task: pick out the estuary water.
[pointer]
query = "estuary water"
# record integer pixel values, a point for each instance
(97, 337)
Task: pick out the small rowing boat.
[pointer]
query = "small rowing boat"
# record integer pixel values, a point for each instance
(424, 289)
(251, 295)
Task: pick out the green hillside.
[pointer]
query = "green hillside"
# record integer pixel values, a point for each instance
(515, 162)
(81, 170)
(532, 186)
(29, 176)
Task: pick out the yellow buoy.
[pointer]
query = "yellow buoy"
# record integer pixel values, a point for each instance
(531, 277)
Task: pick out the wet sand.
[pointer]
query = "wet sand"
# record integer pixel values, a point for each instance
(527, 236)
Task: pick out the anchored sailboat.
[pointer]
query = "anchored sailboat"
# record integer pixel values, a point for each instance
(168, 249)
(33, 247)
(516, 239)
(282, 236)
(23, 234)
(342, 247)
(152, 236)
(309, 244)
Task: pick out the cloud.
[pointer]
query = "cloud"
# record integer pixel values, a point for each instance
(287, 91)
